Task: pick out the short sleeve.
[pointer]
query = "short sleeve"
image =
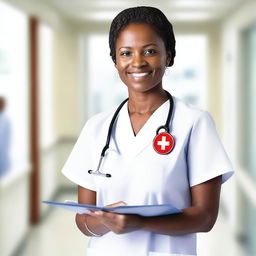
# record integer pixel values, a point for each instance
(80, 161)
(206, 157)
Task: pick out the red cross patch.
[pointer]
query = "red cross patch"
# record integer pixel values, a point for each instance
(163, 143)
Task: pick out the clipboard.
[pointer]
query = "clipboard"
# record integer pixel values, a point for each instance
(143, 210)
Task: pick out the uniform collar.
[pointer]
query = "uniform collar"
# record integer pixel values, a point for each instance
(129, 145)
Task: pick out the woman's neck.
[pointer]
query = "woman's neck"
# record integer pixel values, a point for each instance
(146, 102)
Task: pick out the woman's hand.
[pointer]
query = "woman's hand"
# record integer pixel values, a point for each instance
(118, 223)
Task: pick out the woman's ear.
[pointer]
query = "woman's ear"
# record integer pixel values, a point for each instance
(115, 63)
(168, 59)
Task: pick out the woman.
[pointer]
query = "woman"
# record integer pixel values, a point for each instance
(189, 175)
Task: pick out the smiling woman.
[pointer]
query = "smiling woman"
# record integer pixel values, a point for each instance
(140, 170)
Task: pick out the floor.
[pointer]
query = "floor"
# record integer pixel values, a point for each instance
(57, 235)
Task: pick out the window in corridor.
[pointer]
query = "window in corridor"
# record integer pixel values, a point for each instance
(249, 122)
(14, 81)
(45, 86)
(186, 79)
(105, 88)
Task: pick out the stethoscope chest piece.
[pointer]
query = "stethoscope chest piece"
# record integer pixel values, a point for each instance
(163, 142)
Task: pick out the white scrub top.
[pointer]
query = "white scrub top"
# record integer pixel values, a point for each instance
(142, 176)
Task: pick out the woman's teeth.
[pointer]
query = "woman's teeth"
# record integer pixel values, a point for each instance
(140, 74)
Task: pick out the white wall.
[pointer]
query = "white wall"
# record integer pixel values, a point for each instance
(14, 81)
(14, 213)
(14, 186)
(46, 133)
(38, 9)
(66, 72)
(47, 136)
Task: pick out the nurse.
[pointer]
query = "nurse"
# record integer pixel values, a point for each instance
(189, 175)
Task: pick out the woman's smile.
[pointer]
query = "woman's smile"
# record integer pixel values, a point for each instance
(140, 76)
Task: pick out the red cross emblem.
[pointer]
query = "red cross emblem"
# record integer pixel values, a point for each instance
(163, 143)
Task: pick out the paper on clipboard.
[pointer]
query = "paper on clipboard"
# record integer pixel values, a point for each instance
(143, 210)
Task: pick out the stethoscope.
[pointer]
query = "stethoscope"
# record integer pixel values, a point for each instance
(163, 142)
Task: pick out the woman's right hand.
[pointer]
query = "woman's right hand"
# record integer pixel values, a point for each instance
(104, 224)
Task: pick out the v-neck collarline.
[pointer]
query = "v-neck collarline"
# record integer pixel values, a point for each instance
(148, 120)
(129, 145)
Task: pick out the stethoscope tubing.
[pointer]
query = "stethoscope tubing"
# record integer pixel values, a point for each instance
(111, 127)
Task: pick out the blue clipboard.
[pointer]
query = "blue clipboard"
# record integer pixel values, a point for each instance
(143, 210)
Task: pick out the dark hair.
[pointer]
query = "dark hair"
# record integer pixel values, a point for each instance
(147, 15)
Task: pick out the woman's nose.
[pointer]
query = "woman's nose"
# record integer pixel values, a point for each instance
(138, 61)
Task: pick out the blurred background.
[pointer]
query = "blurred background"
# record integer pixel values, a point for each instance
(55, 72)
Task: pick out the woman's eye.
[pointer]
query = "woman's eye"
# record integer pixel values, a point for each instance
(149, 51)
(125, 53)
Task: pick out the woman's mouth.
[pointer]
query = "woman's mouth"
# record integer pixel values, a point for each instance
(138, 75)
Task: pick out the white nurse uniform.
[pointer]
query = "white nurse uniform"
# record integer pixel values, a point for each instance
(142, 176)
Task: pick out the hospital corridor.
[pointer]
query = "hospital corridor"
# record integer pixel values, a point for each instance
(56, 72)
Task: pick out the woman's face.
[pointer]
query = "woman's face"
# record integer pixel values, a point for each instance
(141, 57)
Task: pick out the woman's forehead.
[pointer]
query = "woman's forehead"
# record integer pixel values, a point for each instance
(138, 34)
